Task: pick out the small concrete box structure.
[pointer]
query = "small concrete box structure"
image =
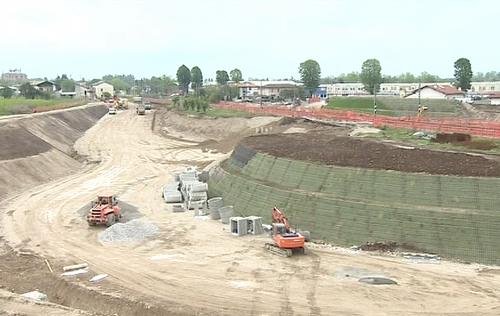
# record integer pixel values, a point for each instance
(238, 225)
(254, 224)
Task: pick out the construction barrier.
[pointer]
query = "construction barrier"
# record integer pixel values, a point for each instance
(483, 128)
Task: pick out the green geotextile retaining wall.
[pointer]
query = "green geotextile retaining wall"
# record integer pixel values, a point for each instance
(455, 217)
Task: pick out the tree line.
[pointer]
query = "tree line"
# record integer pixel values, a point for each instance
(371, 75)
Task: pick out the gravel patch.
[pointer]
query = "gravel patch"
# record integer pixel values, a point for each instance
(135, 230)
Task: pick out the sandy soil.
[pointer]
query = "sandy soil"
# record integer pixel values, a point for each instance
(12, 304)
(195, 266)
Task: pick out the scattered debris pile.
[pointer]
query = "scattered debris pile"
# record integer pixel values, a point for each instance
(387, 246)
(452, 138)
(134, 230)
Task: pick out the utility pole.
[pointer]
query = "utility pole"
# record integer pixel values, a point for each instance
(375, 100)
(261, 93)
(419, 104)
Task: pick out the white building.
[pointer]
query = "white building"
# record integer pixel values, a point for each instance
(357, 88)
(101, 87)
(485, 87)
(494, 99)
(436, 92)
(249, 89)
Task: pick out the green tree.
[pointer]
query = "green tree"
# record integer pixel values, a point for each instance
(184, 78)
(371, 76)
(236, 75)
(6, 92)
(427, 77)
(463, 74)
(221, 77)
(327, 80)
(67, 85)
(28, 91)
(350, 77)
(196, 78)
(310, 74)
(119, 84)
(407, 77)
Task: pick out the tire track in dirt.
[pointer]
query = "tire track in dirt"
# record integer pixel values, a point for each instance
(314, 275)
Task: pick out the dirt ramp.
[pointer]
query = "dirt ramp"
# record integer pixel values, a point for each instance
(37, 148)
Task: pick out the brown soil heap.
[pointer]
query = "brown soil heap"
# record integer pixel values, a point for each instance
(351, 152)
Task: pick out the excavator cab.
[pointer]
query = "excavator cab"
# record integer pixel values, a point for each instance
(279, 229)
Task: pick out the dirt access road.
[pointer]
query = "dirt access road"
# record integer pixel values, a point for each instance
(197, 267)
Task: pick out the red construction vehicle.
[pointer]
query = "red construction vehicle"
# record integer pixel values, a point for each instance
(286, 240)
(104, 210)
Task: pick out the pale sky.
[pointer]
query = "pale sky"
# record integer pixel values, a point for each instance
(263, 38)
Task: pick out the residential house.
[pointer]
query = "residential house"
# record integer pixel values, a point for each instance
(436, 92)
(271, 89)
(44, 86)
(83, 91)
(101, 87)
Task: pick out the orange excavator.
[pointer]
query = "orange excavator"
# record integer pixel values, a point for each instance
(286, 240)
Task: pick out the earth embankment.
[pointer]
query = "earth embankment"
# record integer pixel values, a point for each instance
(38, 148)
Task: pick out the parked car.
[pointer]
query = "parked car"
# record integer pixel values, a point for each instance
(147, 106)
(111, 110)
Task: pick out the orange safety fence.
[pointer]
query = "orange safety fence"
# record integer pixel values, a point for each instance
(484, 128)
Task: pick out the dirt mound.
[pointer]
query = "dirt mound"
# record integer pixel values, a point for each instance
(388, 246)
(24, 273)
(350, 152)
(452, 138)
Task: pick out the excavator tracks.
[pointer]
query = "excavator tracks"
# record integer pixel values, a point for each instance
(279, 251)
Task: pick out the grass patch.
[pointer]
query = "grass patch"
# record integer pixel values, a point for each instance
(24, 106)
(394, 106)
(406, 136)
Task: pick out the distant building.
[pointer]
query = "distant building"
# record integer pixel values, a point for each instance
(436, 92)
(320, 92)
(83, 91)
(494, 98)
(44, 86)
(101, 87)
(485, 87)
(271, 89)
(14, 75)
(344, 89)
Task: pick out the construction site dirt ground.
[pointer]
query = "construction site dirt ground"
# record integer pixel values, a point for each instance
(196, 266)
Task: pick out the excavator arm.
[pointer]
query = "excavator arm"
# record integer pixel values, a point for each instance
(279, 217)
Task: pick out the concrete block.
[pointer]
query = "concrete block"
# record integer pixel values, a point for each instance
(238, 225)
(254, 224)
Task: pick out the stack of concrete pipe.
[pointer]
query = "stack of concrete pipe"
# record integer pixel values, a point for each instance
(194, 192)
(171, 193)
